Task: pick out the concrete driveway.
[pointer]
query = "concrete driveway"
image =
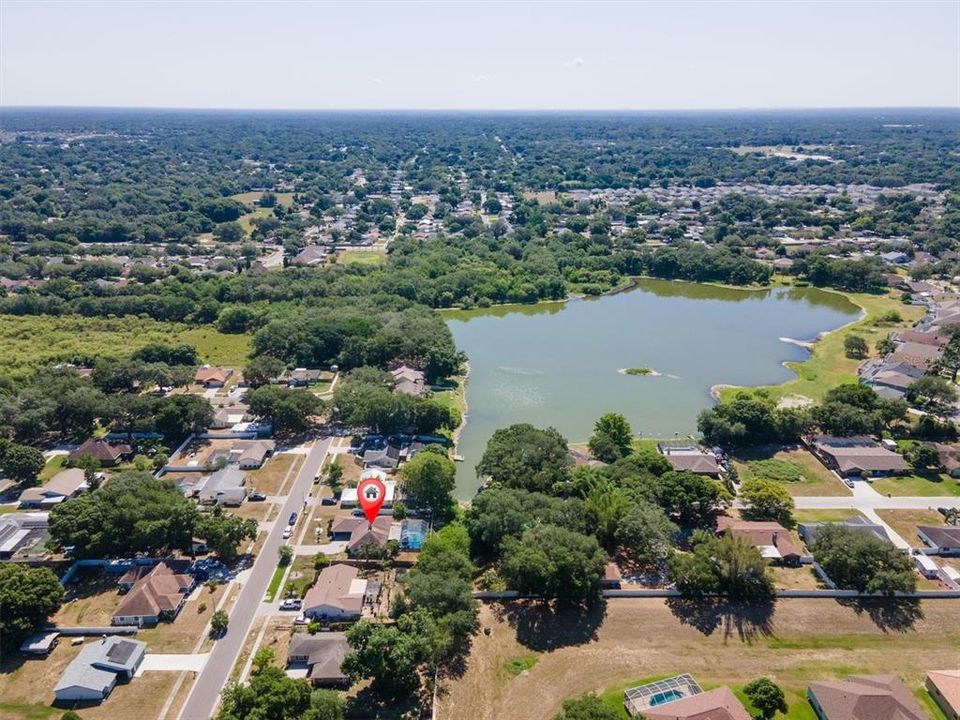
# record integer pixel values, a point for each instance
(172, 662)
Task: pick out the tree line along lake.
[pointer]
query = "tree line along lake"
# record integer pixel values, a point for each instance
(563, 364)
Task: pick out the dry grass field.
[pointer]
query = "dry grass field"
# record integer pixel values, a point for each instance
(905, 522)
(796, 469)
(276, 474)
(802, 640)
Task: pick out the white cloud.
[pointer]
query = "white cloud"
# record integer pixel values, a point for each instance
(575, 63)
(376, 80)
(481, 78)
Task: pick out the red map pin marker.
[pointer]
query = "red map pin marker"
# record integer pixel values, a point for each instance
(371, 493)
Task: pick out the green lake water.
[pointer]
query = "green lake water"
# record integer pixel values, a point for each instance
(557, 364)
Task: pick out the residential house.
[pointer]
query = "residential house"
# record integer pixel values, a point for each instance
(362, 537)
(923, 338)
(322, 655)
(107, 453)
(408, 380)
(62, 486)
(158, 594)
(348, 497)
(251, 454)
(771, 538)
(895, 257)
(92, 674)
(303, 377)
(917, 354)
(229, 415)
(386, 457)
(338, 594)
(944, 688)
(717, 704)
(948, 455)
(223, 487)
(864, 697)
(808, 531)
(212, 377)
(690, 457)
(854, 456)
(310, 255)
(942, 540)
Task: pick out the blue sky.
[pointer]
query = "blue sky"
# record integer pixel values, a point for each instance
(484, 55)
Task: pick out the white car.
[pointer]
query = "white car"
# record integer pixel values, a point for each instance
(290, 605)
(287, 531)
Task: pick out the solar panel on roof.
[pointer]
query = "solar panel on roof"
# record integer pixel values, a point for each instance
(121, 651)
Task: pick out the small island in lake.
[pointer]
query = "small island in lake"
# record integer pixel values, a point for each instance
(640, 371)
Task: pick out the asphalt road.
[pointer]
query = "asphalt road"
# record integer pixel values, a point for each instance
(204, 695)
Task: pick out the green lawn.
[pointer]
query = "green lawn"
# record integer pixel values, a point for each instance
(933, 710)
(520, 664)
(796, 469)
(809, 516)
(302, 564)
(217, 348)
(828, 365)
(362, 257)
(930, 485)
(274, 583)
(249, 198)
(53, 466)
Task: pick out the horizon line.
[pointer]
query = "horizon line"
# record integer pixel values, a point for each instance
(728, 109)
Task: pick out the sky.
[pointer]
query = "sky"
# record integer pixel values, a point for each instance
(480, 55)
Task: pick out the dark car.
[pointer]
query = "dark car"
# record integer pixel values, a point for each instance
(257, 497)
(293, 519)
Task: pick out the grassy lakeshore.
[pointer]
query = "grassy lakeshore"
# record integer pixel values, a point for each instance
(828, 365)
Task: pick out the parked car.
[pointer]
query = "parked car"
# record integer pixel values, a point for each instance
(290, 604)
(257, 496)
(301, 620)
(287, 532)
(316, 478)
(293, 519)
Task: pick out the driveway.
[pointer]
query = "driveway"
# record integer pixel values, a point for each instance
(204, 695)
(172, 662)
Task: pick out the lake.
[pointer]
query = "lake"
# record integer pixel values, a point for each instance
(560, 364)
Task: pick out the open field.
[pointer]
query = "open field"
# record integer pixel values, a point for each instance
(803, 640)
(827, 365)
(362, 257)
(52, 467)
(32, 341)
(270, 478)
(930, 485)
(905, 522)
(249, 198)
(796, 469)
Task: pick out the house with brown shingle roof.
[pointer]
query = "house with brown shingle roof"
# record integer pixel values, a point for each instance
(157, 595)
(718, 704)
(770, 538)
(212, 377)
(864, 697)
(944, 688)
(853, 456)
(408, 380)
(106, 452)
(359, 533)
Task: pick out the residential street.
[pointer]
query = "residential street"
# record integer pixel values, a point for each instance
(204, 695)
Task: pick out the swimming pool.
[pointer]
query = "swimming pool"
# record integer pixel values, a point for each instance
(665, 697)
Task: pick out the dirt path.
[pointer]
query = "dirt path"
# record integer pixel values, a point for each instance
(804, 640)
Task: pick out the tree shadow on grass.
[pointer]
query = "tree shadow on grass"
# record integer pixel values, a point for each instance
(745, 621)
(888, 614)
(545, 626)
(369, 705)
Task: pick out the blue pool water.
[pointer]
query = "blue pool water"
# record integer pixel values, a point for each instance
(665, 697)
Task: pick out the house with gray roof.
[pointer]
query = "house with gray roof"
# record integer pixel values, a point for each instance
(942, 540)
(96, 669)
(808, 531)
(321, 655)
(62, 486)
